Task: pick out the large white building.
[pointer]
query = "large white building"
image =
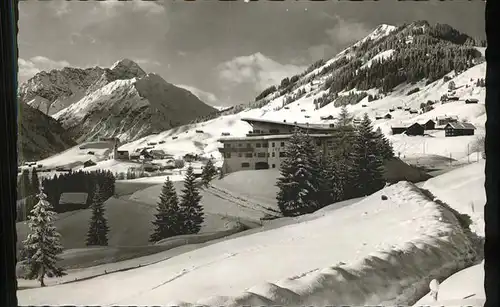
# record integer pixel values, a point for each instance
(264, 146)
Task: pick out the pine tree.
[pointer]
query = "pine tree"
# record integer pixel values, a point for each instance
(42, 246)
(366, 172)
(35, 182)
(345, 119)
(298, 189)
(208, 173)
(168, 221)
(190, 207)
(98, 226)
(384, 146)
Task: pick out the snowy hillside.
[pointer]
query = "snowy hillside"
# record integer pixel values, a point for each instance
(308, 98)
(351, 270)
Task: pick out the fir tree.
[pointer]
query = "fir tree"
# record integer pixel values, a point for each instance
(384, 146)
(208, 173)
(366, 173)
(190, 207)
(42, 246)
(168, 220)
(345, 119)
(98, 226)
(298, 188)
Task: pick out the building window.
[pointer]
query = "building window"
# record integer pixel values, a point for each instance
(282, 144)
(274, 131)
(268, 155)
(258, 145)
(261, 155)
(249, 145)
(274, 166)
(274, 154)
(255, 154)
(248, 155)
(228, 155)
(240, 154)
(272, 144)
(282, 154)
(227, 145)
(265, 145)
(245, 164)
(240, 145)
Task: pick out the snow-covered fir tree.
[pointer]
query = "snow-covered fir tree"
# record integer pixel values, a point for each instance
(98, 226)
(298, 186)
(208, 173)
(316, 160)
(345, 118)
(366, 171)
(168, 220)
(190, 206)
(42, 246)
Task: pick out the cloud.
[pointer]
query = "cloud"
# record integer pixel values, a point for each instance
(28, 68)
(346, 31)
(204, 96)
(338, 37)
(255, 69)
(148, 7)
(146, 62)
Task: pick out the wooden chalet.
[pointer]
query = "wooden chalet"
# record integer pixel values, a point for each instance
(471, 101)
(89, 163)
(415, 129)
(398, 129)
(442, 121)
(429, 125)
(459, 129)
(388, 116)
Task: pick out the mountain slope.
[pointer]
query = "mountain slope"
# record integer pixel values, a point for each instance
(121, 101)
(130, 109)
(53, 91)
(39, 136)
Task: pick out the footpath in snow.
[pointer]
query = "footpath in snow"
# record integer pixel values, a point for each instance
(371, 252)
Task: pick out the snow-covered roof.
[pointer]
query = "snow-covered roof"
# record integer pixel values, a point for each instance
(294, 124)
(461, 126)
(270, 137)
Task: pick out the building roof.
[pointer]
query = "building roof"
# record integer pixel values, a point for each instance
(415, 124)
(301, 125)
(399, 127)
(270, 137)
(461, 126)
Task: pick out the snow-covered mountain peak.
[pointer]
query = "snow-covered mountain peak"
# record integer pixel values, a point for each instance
(127, 69)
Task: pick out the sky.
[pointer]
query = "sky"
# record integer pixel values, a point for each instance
(225, 52)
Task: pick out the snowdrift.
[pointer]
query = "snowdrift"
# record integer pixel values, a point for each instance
(463, 190)
(400, 245)
(464, 288)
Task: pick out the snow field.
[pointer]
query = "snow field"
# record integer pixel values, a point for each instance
(403, 242)
(463, 190)
(464, 288)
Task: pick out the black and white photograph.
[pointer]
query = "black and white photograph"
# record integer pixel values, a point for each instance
(251, 153)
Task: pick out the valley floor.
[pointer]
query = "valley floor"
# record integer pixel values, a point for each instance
(295, 257)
